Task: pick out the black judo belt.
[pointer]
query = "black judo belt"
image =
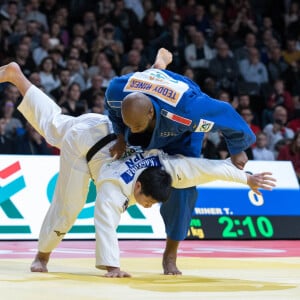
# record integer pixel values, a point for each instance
(99, 145)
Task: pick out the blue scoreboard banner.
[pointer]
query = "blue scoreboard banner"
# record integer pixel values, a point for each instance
(216, 201)
(232, 211)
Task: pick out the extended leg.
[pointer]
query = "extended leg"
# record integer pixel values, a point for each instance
(13, 74)
(170, 258)
(69, 198)
(176, 213)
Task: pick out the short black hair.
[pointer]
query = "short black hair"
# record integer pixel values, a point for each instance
(156, 183)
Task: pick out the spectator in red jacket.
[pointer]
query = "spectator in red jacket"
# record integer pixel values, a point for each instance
(281, 96)
(294, 123)
(291, 152)
(247, 115)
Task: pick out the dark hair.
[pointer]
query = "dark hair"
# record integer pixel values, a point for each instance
(156, 183)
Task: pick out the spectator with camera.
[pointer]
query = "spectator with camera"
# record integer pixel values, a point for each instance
(277, 130)
(109, 41)
(279, 96)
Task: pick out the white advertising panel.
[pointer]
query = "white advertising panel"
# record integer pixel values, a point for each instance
(27, 183)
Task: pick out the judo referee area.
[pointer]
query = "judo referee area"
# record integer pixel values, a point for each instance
(211, 270)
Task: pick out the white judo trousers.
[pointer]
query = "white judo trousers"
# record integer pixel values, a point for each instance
(76, 136)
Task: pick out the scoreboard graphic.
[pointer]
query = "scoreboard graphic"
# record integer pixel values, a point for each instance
(226, 211)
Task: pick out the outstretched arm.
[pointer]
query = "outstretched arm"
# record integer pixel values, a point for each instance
(109, 205)
(13, 74)
(190, 171)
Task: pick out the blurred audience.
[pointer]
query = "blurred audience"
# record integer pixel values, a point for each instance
(224, 69)
(12, 123)
(29, 141)
(74, 105)
(7, 144)
(198, 54)
(236, 51)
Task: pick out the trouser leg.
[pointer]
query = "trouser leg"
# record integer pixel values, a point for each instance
(69, 198)
(45, 116)
(177, 212)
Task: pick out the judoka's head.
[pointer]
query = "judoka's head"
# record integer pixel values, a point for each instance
(153, 185)
(138, 112)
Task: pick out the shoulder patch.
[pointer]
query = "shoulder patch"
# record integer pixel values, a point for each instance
(204, 126)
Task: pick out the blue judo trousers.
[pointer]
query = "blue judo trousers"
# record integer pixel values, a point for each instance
(183, 114)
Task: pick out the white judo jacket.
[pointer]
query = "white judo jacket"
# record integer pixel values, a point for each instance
(114, 179)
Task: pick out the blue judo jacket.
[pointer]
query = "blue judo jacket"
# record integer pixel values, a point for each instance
(183, 112)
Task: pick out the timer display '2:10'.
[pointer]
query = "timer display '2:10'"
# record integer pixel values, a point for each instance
(248, 227)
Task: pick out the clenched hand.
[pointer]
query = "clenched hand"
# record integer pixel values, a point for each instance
(117, 150)
(239, 160)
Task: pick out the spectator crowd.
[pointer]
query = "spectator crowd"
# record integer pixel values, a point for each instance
(244, 52)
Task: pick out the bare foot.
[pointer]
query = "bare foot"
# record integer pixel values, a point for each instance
(13, 74)
(40, 262)
(114, 272)
(163, 58)
(165, 55)
(169, 266)
(8, 72)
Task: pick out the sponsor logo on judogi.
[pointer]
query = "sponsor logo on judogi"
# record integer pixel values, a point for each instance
(204, 126)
